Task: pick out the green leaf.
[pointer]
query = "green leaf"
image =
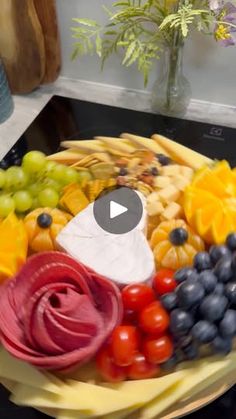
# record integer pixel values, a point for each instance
(129, 52)
(98, 45)
(86, 22)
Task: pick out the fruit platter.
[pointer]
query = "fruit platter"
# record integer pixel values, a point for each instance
(113, 326)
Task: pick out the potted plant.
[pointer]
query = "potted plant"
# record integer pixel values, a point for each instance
(146, 30)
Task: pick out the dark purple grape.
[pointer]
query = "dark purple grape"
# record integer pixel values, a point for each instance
(223, 269)
(227, 326)
(208, 281)
(222, 345)
(204, 331)
(190, 293)
(169, 301)
(219, 288)
(213, 307)
(180, 322)
(185, 273)
(202, 261)
(184, 341)
(231, 241)
(191, 351)
(170, 364)
(234, 263)
(178, 236)
(163, 159)
(216, 252)
(230, 292)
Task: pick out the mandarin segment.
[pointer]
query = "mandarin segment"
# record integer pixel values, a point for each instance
(210, 202)
(174, 244)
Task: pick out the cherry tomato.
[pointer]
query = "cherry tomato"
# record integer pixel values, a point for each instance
(158, 350)
(107, 368)
(137, 296)
(164, 281)
(141, 368)
(130, 317)
(154, 319)
(124, 344)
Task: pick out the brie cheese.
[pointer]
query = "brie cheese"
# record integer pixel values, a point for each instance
(122, 258)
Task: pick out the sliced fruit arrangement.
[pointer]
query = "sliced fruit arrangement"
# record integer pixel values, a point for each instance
(42, 226)
(13, 246)
(210, 202)
(174, 244)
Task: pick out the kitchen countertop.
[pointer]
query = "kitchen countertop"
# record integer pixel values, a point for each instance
(27, 107)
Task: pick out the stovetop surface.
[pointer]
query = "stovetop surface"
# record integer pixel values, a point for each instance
(64, 118)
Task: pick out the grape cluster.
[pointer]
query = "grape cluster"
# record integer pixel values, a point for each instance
(38, 182)
(203, 306)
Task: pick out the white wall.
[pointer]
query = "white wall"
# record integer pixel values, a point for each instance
(211, 69)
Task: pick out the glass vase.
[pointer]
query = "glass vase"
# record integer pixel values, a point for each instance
(172, 91)
(6, 101)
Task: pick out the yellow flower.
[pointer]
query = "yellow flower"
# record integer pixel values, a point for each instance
(222, 32)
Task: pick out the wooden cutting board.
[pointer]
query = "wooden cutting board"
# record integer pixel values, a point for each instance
(22, 45)
(46, 11)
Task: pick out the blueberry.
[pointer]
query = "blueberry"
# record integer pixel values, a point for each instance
(180, 322)
(169, 301)
(217, 252)
(219, 289)
(230, 292)
(178, 236)
(170, 364)
(190, 293)
(204, 331)
(231, 241)
(222, 345)
(202, 261)
(208, 281)
(185, 273)
(191, 351)
(213, 307)
(223, 269)
(227, 326)
(154, 171)
(44, 220)
(163, 159)
(123, 171)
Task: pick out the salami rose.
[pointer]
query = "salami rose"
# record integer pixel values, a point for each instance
(55, 314)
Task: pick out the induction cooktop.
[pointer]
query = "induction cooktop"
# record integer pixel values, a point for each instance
(66, 118)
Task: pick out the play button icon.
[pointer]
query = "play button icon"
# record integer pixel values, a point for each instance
(119, 211)
(116, 209)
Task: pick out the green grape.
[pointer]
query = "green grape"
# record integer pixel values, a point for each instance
(71, 176)
(33, 162)
(49, 167)
(2, 178)
(50, 183)
(84, 175)
(23, 201)
(35, 188)
(48, 198)
(7, 205)
(35, 203)
(16, 178)
(58, 173)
